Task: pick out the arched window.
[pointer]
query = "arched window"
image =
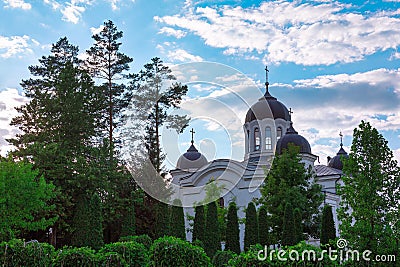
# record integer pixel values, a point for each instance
(256, 139)
(248, 141)
(221, 202)
(278, 133)
(268, 138)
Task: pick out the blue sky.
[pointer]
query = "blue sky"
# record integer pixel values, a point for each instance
(333, 63)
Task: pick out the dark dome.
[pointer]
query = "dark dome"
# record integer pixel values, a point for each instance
(267, 107)
(335, 162)
(192, 159)
(292, 137)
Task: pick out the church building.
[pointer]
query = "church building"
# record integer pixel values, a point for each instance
(268, 129)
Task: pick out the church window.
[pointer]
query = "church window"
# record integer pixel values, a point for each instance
(279, 133)
(256, 139)
(248, 141)
(268, 138)
(221, 202)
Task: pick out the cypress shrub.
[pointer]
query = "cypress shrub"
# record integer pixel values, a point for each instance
(263, 227)
(162, 219)
(232, 230)
(72, 257)
(221, 258)
(171, 251)
(288, 232)
(129, 220)
(141, 239)
(177, 222)
(95, 223)
(298, 225)
(328, 231)
(211, 235)
(133, 253)
(251, 226)
(198, 224)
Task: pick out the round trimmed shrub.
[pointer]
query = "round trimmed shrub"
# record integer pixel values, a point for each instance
(221, 258)
(20, 253)
(111, 259)
(133, 253)
(71, 257)
(171, 251)
(198, 243)
(141, 239)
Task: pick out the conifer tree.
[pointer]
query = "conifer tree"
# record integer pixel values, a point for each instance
(211, 236)
(289, 232)
(298, 225)
(328, 231)
(199, 224)
(232, 229)
(177, 223)
(263, 226)
(95, 231)
(251, 226)
(162, 227)
(129, 220)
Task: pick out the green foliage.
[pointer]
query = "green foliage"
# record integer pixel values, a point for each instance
(171, 251)
(199, 224)
(251, 226)
(111, 259)
(177, 222)
(129, 220)
(141, 239)
(198, 243)
(162, 227)
(87, 223)
(289, 231)
(232, 242)
(328, 231)
(369, 207)
(72, 257)
(23, 199)
(211, 234)
(263, 226)
(298, 226)
(221, 258)
(289, 182)
(133, 253)
(20, 253)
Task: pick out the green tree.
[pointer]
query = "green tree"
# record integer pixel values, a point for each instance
(162, 227)
(107, 63)
(199, 224)
(211, 235)
(289, 231)
(96, 222)
(328, 231)
(232, 229)
(289, 182)
(251, 226)
(177, 223)
(129, 220)
(298, 225)
(371, 182)
(23, 199)
(263, 226)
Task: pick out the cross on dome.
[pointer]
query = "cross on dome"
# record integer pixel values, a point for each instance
(193, 132)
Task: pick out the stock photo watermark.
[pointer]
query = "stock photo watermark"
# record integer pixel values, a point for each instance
(342, 253)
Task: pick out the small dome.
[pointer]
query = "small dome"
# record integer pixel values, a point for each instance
(267, 107)
(335, 162)
(192, 159)
(294, 138)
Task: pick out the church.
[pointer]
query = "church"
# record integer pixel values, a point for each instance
(268, 129)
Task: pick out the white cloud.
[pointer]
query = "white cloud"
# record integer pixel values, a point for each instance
(72, 13)
(17, 4)
(172, 32)
(94, 30)
(14, 45)
(182, 56)
(9, 99)
(300, 32)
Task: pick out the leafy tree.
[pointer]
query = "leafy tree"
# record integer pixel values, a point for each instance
(107, 63)
(232, 229)
(289, 182)
(251, 226)
(371, 182)
(263, 226)
(298, 226)
(198, 224)
(328, 231)
(289, 231)
(129, 220)
(23, 199)
(177, 223)
(211, 235)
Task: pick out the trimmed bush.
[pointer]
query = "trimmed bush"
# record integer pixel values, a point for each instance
(133, 253)
(249, 258)
(111, 259)
(171, 251)
(141, 239)
(251, 226)
(199, 224)
(177, 220)
(129, 219)
(19, 253)
(198, 243)
(263, 227)
(222, 258)
(232, 229)
(288, 232)
(328, 231)
(72, 257)
(211, 236)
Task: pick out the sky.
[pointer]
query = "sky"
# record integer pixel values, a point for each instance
(333, 63)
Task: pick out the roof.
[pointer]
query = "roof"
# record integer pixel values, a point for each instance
(292, 137)
(323, 170)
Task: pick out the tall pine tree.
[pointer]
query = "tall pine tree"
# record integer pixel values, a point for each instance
(232, 229)
(251, 226)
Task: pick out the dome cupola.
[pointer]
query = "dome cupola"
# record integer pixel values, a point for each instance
(292, 137)
(336, 161)
(192, 159)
